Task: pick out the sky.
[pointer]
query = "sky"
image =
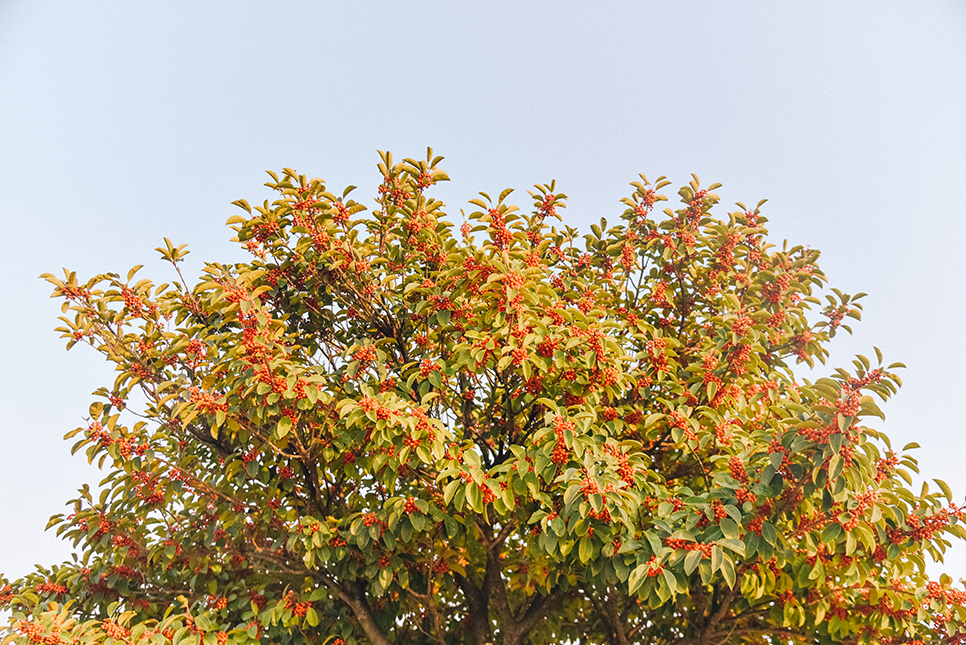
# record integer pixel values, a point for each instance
(123, 123)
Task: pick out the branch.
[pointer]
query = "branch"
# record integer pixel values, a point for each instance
(700, 600)
(538, 609)
(493, 586)
(478, 609)
(355, 597)
(718, 615)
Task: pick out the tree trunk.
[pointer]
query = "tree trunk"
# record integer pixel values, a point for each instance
(354, 595)
(479, 611)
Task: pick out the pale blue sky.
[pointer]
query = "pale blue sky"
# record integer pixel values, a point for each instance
(122, 123)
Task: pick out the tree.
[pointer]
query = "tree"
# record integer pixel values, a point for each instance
(387, 429)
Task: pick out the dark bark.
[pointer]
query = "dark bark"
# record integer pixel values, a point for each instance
(478, 605)
(535, 612)
(354, 595)
(719, 610)
(615, 619)
(699, 600)
(707, 618)
(514, 626)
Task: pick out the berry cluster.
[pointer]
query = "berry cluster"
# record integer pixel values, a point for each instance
(297, 608)
(51, 588)
(718, 511)
(206, 401)
(500, 234)
(560, 452)
(679, 543)
(741, 324)
(744, 495)
(588, 486)
(35, 633)
(655, 351)
(427, 367)
(925, 527)
(884, 467)
(217, 602)
(737, 468)
(773, 291)
(624, 468)
(513, 280)
(365, 355)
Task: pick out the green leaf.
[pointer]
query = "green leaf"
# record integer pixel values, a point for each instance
(712, 389)
(729, 528)
(571, 493)
(586, 549)
(691, 561)
(418, 520)
(735, 545)
(729, 573)
(850, 544)
(450, 490)
(284, 427)
(312, 617)
(769, 533)
(947, 492)
(472, 458)
(717, 557)
(751, 543)
(835, 440)
(776, 459)
(636, 579)
(831, 532)
(766, 474)
(652, 419)
(385, 577)
(474, 497)
(835, 466)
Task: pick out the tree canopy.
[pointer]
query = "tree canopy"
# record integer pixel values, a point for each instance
(390, 426)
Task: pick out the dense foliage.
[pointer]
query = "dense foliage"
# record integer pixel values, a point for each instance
(392, 428)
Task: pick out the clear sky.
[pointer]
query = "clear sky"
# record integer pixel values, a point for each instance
(125, 122)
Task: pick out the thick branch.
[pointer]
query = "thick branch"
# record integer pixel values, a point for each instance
(477, 602)
(718, 614)
(493, 586)
(536, 611)
(615, 619)
(355, 596)
(514, 625)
